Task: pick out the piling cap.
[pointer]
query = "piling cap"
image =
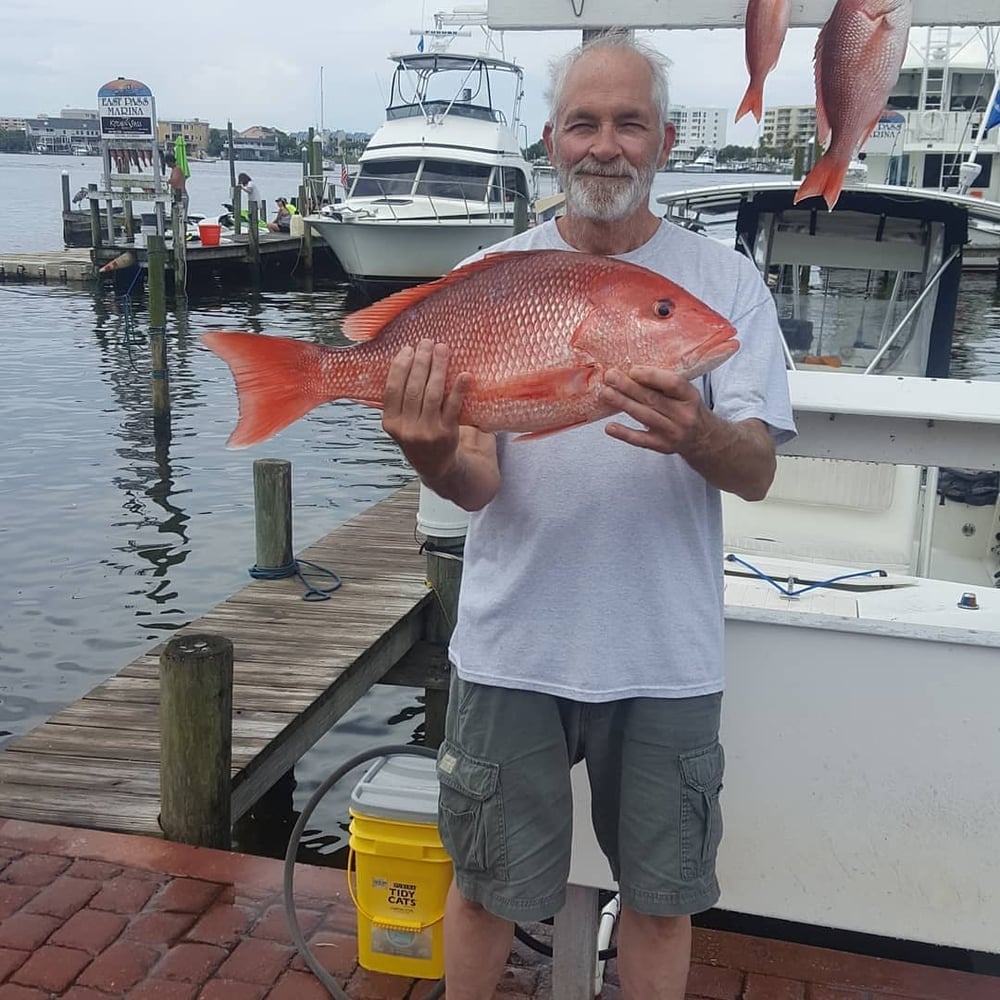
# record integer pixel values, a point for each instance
(400, 787)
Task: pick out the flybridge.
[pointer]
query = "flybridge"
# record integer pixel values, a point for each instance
(569, 14)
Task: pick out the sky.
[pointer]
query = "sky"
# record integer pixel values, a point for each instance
(260, 63)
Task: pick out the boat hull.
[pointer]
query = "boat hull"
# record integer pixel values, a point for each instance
(402, 253)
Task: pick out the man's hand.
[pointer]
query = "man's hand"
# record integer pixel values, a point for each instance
(735, 457)
(417, 414)
(668, 406)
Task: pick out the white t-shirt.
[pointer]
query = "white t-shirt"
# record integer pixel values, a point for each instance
(252, 192)
(595, 573)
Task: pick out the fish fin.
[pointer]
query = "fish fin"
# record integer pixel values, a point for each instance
(535, 435)
(367, 323)
(753, 101)
(826, 178)
(270, 386)
(556, 383)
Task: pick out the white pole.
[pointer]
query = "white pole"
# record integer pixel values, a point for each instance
(969, 170)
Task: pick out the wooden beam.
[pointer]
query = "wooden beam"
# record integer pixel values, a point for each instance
(583, 14)
(424, 666)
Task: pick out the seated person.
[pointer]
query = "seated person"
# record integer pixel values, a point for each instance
(282, 222)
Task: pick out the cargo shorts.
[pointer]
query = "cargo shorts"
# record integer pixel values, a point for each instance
(506, 807)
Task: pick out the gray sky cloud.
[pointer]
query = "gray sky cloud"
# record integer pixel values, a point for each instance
(251, 62)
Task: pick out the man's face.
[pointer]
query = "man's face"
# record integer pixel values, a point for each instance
(608, 143)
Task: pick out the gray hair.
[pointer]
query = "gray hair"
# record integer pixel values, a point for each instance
(614, 38)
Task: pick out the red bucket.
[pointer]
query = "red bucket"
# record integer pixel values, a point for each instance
(209, 233)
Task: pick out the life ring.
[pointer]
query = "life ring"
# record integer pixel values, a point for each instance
(932, 125)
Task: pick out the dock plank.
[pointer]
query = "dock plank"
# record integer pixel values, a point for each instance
(298, 667)
(55, 267)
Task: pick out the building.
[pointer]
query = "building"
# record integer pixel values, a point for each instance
(255, 143)
(63, 134)
(195, 134)
(788, 126)
(697, 129)
(11, 124)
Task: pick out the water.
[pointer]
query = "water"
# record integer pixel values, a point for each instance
(111, 543)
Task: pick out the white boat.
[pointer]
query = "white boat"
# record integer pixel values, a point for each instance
(704, 163)
(444, 175)
(930, 134)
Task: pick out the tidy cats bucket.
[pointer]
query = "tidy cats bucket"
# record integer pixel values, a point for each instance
(398, 871)
(209, 233)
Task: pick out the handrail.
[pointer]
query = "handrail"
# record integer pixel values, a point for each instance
(880, 353)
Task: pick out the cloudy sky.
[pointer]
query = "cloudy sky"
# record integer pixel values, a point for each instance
(249, 62)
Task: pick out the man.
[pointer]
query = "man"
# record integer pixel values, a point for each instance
(252, 192)
(178, 184)
(590, 616)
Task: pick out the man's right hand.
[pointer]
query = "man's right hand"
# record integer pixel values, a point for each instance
(417, 413)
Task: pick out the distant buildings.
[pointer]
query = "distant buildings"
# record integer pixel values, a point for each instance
(259, 142)
(787, 126)
(72, 131)
(195, 134)
(697, 128)
(12, 124)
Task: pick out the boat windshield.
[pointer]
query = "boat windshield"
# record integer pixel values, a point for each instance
(430, 178)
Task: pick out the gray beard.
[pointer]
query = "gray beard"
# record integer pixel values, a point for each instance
(601, 200)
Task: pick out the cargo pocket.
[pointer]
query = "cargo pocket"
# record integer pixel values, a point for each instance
(471, 813)
(701, 812)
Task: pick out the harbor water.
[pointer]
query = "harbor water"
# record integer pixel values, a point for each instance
(110, 542)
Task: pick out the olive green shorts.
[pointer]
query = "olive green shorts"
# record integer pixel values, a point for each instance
(506, 807)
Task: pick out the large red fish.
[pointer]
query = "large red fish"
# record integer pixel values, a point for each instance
(858, 57)
(536, 329)
(766, 26)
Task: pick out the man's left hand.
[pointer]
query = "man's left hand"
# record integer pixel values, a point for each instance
(669, 407)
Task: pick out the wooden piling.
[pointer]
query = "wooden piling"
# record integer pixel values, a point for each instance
(67, 205)
(272, 496)
(196, 740)
(95, 218)
(179, 229)
(237, 210)
(156, 290)
(520, 212)
(253, 241)
(307, 237)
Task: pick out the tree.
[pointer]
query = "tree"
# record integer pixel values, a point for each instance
(536, 151)
(13, 141)
(216, 141)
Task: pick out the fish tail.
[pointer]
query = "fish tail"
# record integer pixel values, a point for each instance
(753, 101)
(826, 179)
(271, 381)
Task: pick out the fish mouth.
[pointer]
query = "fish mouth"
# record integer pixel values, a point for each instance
(714, 349)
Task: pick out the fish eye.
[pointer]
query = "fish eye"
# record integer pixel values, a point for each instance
(663, 308)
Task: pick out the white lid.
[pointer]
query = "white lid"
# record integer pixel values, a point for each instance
(402, 787)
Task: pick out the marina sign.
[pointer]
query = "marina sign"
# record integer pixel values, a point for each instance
(581, 14)
(126, 110)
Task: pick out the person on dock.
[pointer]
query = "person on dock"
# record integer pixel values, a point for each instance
(249, 187)
(282, 222)
(590, 620)
(178, 184)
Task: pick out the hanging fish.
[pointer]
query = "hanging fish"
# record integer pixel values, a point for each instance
(858, 57)
(766, 26)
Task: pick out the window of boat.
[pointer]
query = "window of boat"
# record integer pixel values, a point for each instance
(506, 184)
(447, 179)
(385, 178)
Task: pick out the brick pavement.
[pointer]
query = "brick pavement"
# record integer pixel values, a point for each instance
(88, 916)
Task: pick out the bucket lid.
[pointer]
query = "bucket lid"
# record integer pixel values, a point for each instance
(401, 787)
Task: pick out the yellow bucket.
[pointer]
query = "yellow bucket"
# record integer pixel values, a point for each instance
(398, 871)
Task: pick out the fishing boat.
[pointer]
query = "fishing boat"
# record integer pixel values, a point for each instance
(862, 613)
(931, 134)
(444, 175)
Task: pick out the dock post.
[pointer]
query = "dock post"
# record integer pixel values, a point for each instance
(67, 206)
(272, 500)
(179, 228)
(444, 577)
(196, 740)
(253, 243)
(307, 233)
(129, 218)
(156, 285)
(520, 212)
(237, 210)
(95, 218)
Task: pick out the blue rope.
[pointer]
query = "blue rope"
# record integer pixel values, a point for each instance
(791, 592)
(294, 568)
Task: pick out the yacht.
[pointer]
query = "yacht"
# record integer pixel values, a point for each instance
(444, 176)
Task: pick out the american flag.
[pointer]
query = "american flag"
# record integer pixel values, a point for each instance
(343, 176)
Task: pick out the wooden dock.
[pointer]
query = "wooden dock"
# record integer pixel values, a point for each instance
(58, 267)
(298, 667)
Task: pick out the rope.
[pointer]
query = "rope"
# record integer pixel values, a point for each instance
(790, 591)
(294, 568)
(130, 336)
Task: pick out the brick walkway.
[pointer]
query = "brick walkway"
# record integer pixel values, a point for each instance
(88, 916)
